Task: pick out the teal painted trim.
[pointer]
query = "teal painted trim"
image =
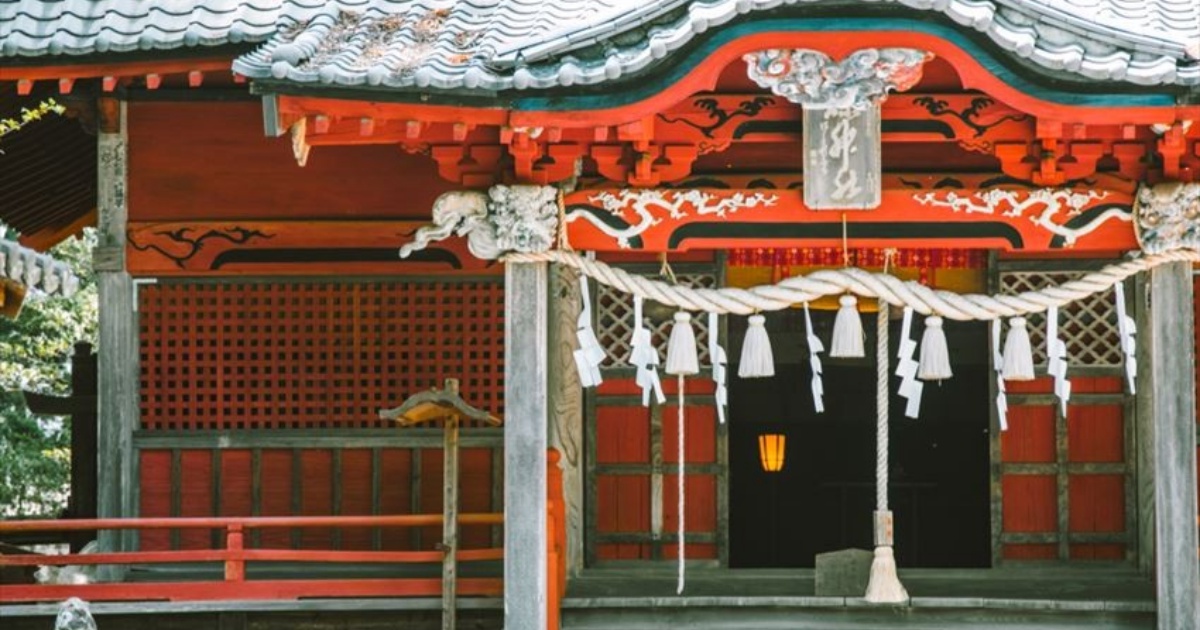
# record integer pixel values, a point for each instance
(728, 33)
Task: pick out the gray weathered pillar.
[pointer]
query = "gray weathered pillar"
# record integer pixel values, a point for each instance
(1172, 405)
(525, 427)
(566, 404)
(118, 357)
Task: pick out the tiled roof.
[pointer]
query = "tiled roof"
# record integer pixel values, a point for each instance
(519, 44)
(34, 28)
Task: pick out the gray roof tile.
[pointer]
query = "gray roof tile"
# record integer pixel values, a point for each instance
(494, 45)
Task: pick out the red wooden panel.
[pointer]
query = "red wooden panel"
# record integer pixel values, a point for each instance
(623, 503)
(1030, 503)
(700, 509)
(1095, 551)
(395, 495)
(355, 487)
(699, 434)
(275, 467)
(219, 165)
(623, 435)
(1095, 433)
(1030, 552)
(475, 495)
(1042, 385)
(316, 495)
(155, 496)
(196, 492)
(236, 487)
(1096, 503)
(1030, 435)
(431, 495)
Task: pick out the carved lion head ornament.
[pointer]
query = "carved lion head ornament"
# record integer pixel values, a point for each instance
(1168, 217)
(504, 219)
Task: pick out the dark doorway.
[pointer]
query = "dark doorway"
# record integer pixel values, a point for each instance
(824, 497)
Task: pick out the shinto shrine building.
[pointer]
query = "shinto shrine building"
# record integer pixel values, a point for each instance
(741, 313)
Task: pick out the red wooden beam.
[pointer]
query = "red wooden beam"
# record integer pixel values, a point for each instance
(917, 212)
(117, 69)
(249, 522)
(247, 590)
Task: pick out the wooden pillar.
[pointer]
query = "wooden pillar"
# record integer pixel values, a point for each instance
(1172, 408)
(525, 441)
(450, 524)
(118, 359)
(566, 405)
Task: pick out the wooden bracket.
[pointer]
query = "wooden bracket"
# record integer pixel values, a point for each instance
(1171, 147)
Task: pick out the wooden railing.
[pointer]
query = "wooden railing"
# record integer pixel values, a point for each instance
(235, 555)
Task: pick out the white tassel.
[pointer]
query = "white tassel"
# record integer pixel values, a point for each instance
(682, 359)
(1018, 354)
(815, 348)
(757, 359)
(590, 354)
(885, 586)
(935, 355)
(644, 358)
(716, 355)
(906, 369)
(847, 340)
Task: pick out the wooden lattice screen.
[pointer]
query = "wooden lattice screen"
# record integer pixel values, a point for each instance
(300, 354)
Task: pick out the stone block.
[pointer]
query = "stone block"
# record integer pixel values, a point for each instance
(843, 573)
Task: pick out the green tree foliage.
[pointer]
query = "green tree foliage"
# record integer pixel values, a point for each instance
(35, 355)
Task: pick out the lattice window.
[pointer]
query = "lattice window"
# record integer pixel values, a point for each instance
(614, 321)
(1088, 326)
(313, 354)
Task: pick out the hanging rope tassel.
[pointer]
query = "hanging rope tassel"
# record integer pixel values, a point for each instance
(644, 358)
(998, 366)
(910, 387)
(716, 355)
(757, 359)
(590, 354)
(682, 360)
(847, 340)
(935, 354)
(815, 348)
(1128, 329)
(1056, 351)
(1017, 362)
(884, 587)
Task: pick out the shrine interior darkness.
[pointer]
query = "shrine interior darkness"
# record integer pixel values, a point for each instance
(823, 498)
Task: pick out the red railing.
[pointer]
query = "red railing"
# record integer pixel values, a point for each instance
(235, 555)
(556, 526)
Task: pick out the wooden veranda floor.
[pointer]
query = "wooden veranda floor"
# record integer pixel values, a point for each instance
(715, 599)
(762, 599)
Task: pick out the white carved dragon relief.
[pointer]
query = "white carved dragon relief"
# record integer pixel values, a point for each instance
(642, 209)
(1060, 204)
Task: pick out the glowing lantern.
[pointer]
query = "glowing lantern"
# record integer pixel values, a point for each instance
(771, 451)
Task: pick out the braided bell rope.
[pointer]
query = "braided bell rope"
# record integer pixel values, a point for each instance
(882, 380)
(882, 286)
